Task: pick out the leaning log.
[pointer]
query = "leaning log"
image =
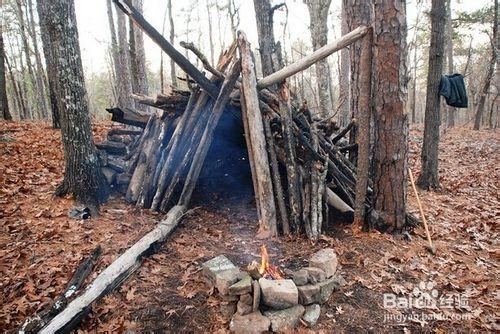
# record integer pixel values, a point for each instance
(114, 275)
(268, 225)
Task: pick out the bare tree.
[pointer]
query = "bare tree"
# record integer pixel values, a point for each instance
(49, 63)
(318, 14)
(390, 149)
(269, 50)
(41, 109)
(490, 71)
(138, 59)
(173, 76)
(82, 177)
(429, 172)
(449, 56)
(4, 103)
(123, 78)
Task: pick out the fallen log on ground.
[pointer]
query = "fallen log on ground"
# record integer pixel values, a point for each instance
(115, 274)
(34, 324)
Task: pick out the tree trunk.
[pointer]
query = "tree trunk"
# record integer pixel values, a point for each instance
(210, 33)
(4, 103)
(49, 62)
(449, 55)
(124, 80)
(489, 74)
(114, 50)
(82, 177)
(17, 90)
(344, 96)
(429, 172)
(138, 59)
(173, 76)
(390, 151)
(269, 50)
(37, 91)
(318, 14)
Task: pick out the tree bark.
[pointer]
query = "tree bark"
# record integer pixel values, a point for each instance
(4, 103)
(429, 171)
(49, 62)
(318, 14)
(83, 177)
(344, 96)
(269, 50)
(489, 74)
(390, 150)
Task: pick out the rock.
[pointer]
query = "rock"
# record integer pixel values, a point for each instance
(286, 319)
(243, 308)
(230, 298)
(316, 275)
(309, 294)
(325, 259)
(311, 315)
(279, 294)
(256, 295)
(340, 280)
(227, 309)
(252, 323)
(300, 277)
(247, 299)
(221, 273)
(326, 289)
(241, 287)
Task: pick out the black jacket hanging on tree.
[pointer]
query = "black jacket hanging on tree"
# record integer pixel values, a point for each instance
(452, 87)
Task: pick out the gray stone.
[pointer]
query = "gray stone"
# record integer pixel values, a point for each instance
(340, 280)
(279, 294)
(230, 298)
(247, 299)
(241, 287)
(252, 323)
(309, 294)
(311, 315)
(221, 273)
(286, 319)
(326, 289)
(256, 295)
(325, 259)
(243, 308)
(300, 277)
(227, 309)
(316, 275)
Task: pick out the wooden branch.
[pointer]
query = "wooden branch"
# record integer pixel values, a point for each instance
(206, 139)
(114, 275)
(204, 60)
(312, 58)
(343, 132)
(177, 57)
(334, 200)
(265, 196)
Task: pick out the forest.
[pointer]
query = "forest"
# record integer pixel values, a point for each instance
(249, 166)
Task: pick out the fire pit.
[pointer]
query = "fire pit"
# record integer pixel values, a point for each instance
(264, 297)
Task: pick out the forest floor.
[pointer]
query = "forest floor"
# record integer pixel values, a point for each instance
(40, 247)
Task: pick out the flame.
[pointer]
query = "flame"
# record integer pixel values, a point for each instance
(266, 269)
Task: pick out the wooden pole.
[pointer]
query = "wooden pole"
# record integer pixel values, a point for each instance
(312, 58)
(364, 113)
(168, 48)
(268, 226)
(427, 233)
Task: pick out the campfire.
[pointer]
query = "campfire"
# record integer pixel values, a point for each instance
(266, 298)
(265, 269)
